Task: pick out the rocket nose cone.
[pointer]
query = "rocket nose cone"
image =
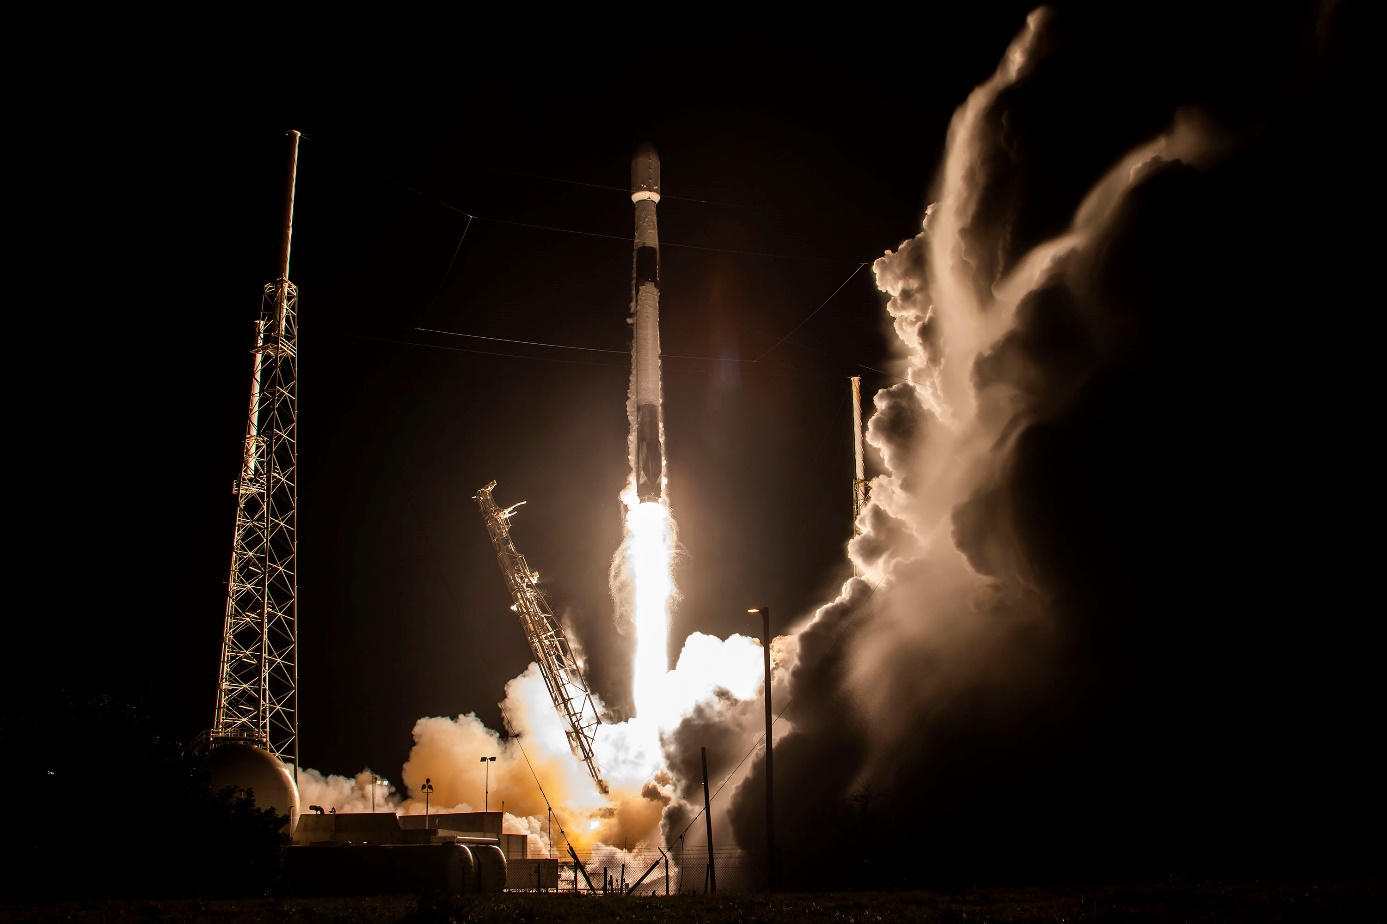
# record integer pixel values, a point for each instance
(645, 170)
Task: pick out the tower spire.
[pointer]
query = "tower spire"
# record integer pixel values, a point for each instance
(257, 685)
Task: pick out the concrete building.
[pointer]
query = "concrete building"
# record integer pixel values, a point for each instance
(493, 859)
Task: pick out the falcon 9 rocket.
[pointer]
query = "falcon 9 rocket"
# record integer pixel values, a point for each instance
(647, 450)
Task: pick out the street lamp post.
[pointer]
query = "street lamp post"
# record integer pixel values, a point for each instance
(765, 612)
(376, 781)
(427, 790)
(486, 797)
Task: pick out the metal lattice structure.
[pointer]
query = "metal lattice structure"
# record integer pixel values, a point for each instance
(859, 477)
(562, 674)
(257, 689)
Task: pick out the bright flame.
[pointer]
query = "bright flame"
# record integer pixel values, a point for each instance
(630, 754)
(649, 556)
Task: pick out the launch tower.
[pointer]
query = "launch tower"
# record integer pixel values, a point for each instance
(548, 644)
(257, 688)
(859, 476)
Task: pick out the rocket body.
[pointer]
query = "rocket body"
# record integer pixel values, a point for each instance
(647, 459)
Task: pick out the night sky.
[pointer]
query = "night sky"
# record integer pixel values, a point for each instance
(161, 208)
(788, 163)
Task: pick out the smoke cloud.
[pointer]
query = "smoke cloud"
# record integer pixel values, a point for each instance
(1103, 620)
(533, 760)
(1081, 640)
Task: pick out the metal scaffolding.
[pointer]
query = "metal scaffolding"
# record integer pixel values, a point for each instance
(257, 689)
(560, 669)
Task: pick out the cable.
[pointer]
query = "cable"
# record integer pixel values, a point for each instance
(618, 237)
(719, 359)
(561, 346)
(556, 346)
(613, 237)
(811, 314)
(624, 190)
(434, 346)
(547, 804)
(565, 346)
(450, 263)
(427, 196)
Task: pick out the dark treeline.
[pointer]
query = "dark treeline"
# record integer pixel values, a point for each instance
(107, 808)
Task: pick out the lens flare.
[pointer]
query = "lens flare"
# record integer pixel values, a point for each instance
(649, 556)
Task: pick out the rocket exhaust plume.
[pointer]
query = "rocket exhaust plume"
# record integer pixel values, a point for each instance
(710, 673)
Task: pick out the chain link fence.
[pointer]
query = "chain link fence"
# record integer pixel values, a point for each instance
(651, 872)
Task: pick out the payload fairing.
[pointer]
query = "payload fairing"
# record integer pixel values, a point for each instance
(647, 459)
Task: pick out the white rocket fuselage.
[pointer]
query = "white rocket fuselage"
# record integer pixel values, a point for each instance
(648, 450)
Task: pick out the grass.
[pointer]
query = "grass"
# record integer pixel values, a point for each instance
(1172, 900)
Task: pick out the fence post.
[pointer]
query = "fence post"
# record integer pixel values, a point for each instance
(708, 817)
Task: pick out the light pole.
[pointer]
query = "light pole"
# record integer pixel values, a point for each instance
(486, 797)
(376, 781)
(765, 612)
(426, 789)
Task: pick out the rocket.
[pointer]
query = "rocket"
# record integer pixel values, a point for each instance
(647, 460)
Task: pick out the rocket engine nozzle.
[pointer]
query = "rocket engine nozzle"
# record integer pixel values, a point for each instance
(649, 461)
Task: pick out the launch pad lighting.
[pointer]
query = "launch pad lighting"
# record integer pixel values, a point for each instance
(376, 781)
(765, 612)
(486, 793)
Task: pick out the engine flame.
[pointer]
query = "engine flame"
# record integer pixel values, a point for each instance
(649, 556)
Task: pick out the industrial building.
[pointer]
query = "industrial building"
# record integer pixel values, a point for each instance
(455, 852)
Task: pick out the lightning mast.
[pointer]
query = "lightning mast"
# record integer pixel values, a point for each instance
(257, 687)
(548, 644)
(859, 480)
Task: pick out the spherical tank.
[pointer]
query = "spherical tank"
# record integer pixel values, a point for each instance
(248, 767)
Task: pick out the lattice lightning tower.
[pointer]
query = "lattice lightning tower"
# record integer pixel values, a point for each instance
(257, 689)
(548, 644)
(859, 477)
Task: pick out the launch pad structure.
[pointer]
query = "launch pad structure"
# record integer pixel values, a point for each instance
(257, 685)
(552, 652)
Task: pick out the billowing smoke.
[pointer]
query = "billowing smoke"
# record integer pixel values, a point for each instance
(1104, 619)
(333, 792)
(1087, 634)
(533, 761)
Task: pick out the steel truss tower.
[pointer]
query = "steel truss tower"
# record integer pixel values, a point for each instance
(548, 644)
(859, 477)
(257, 689)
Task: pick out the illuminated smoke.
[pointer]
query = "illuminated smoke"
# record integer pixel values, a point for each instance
(1038, 665)
(1070, 520)
(346, 794)
(535, 753)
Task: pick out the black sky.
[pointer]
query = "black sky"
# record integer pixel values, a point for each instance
(155, 211)
(152, 211)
